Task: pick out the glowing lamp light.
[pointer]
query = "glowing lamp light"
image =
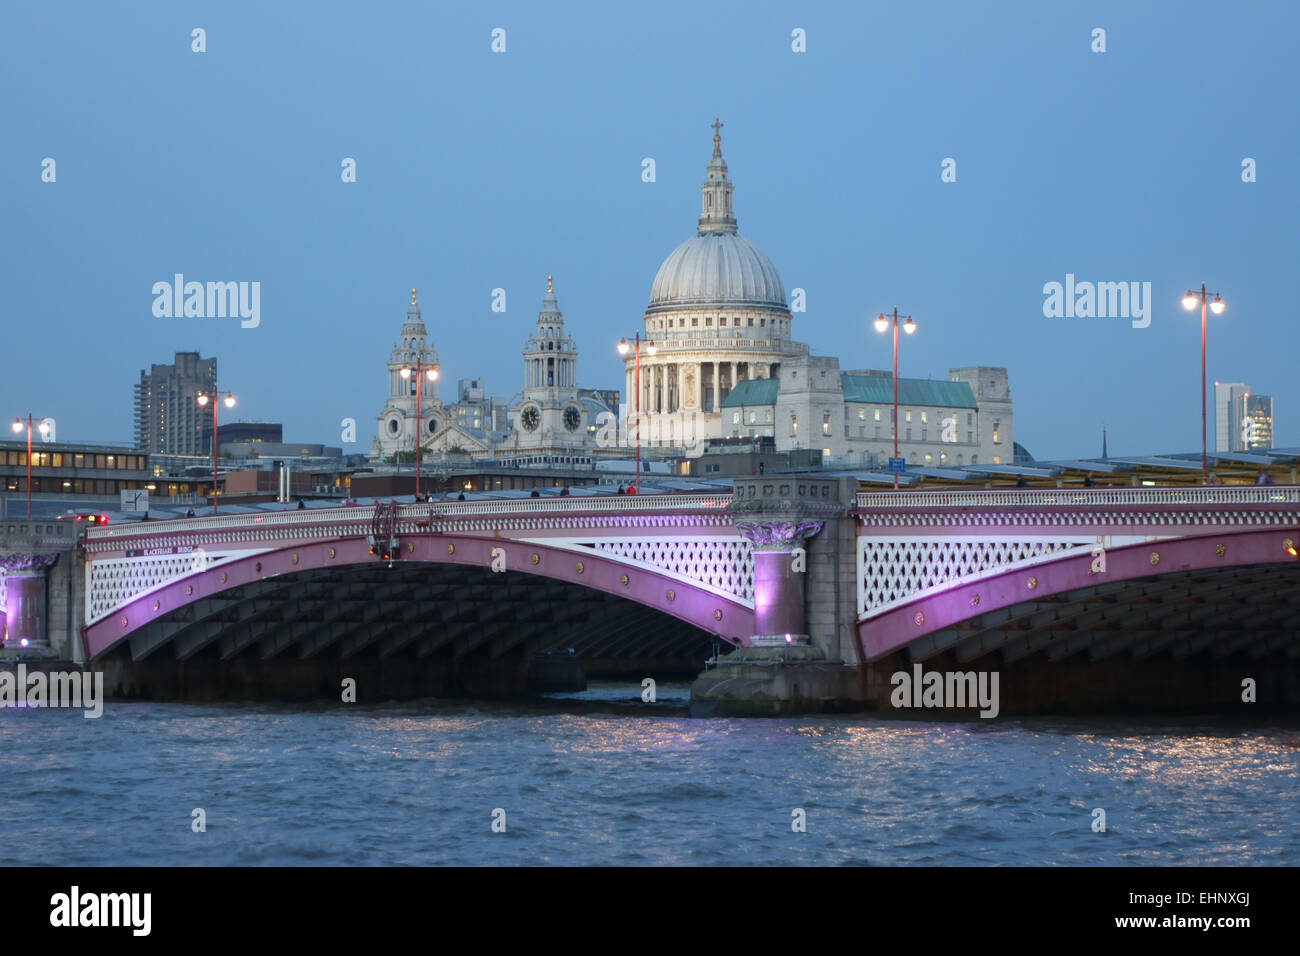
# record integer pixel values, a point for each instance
(406, 371)
(1218, 305)
(17, 425)
(1189, 301)
(909, 326)
(881, 323)
(43, 428)
(789, 639)
(230, 400)
(650, 348)
(23, 642)
(432, 374)
(622, 350)
(203, 399)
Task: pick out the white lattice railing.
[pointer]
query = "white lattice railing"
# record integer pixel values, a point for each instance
(896, 570)
(1041, 497)
(361, 514)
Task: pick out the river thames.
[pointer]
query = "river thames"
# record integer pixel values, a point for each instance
(602, 778)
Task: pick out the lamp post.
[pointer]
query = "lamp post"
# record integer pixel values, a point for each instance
(204, 399)
(18, 427)
(1217, 307)
(650, 350)
(882, 323)
(431, 374)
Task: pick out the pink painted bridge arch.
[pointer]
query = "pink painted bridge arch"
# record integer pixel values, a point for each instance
(241, 579)
(1063, 572)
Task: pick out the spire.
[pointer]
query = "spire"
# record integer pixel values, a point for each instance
(716, 214)
(1103, 441)
(550, 307)
(413, 302)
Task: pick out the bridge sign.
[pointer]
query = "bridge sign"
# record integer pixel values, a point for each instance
(897, 466)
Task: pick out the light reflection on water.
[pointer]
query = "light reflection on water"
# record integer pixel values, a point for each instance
(603, 778)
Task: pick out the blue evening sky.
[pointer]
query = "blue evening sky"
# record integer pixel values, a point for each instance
(479, 170)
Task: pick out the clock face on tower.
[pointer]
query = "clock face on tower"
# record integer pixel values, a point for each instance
(572, 418)
(530, 417)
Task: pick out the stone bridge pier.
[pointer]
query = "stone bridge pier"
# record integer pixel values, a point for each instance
(804, 654)
(39, 567)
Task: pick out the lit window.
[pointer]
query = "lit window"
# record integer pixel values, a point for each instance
(997, 459)
(794, 424)
(877, 414)
(909, 415)
(862, 414)
(996, 440)
(735, 418)
(925, 416)
(826, 423)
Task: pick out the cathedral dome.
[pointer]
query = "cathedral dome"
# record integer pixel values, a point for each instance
(716, 268)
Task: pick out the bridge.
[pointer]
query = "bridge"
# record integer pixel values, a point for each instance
(1158, 598)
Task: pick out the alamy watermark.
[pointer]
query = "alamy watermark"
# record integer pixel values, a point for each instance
(82, 690)
(949, 690)
(1100, 300)
(75, 908)
(214, 300)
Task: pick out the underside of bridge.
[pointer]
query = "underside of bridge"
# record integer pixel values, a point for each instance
(411, 630)
(1181, 641)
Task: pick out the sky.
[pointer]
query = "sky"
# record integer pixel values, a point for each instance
(478, 170)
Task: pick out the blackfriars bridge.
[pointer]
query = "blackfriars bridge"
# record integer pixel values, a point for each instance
(794, 593)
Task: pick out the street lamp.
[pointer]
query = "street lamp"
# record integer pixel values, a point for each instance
(650, 350)
(44, 429)
(432, 375)
(1217, 307)
(882, 323)
(204, 399)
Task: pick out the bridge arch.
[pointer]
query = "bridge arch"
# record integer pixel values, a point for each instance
(1229, 592)
(727, 618)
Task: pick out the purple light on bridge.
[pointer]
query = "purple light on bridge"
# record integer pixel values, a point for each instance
(23, 642)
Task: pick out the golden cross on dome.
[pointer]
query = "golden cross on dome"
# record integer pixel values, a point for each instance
(548, 284)
(412, 296)
(716, 126)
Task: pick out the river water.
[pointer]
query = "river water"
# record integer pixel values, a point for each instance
(601, 777)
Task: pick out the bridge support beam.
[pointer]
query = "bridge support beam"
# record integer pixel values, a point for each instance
(802, 656)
